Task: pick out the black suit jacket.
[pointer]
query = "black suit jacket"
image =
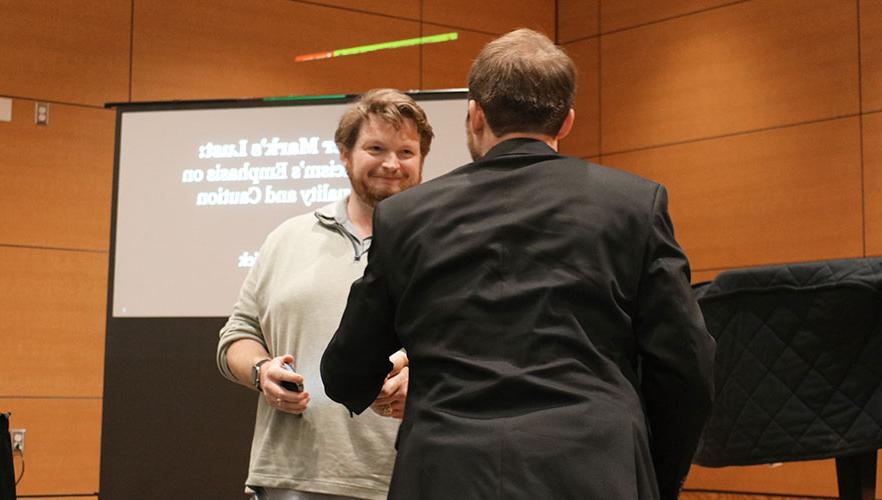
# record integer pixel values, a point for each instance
(556, 350)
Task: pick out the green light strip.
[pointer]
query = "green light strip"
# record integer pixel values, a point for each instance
(444, 37)
(304, 97)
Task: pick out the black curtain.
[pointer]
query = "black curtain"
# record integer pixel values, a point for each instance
(7, 472)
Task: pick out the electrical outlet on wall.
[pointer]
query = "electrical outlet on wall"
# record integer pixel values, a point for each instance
(17, 436)
(41, 113)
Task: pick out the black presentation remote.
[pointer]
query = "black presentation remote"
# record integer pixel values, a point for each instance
(291, 386)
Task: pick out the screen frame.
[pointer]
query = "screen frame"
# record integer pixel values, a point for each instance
(187, 105)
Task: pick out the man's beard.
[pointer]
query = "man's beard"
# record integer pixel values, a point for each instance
(373, 193)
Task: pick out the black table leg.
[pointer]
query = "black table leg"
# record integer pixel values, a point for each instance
(856, 475)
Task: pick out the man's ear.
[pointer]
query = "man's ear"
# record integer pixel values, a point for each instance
(477, 122)
(567, 125)
(344, 158)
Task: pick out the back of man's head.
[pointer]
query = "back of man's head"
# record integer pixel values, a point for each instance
(524, 83)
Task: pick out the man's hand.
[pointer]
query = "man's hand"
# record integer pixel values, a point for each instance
(272, 375)
(390, 402)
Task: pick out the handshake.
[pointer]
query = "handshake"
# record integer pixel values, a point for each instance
(283, 389)
(393, 395)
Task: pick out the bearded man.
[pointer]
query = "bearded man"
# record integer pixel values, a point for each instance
(306, 447)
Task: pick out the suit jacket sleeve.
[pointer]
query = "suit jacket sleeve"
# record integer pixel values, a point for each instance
(356, 361)
(676, 353)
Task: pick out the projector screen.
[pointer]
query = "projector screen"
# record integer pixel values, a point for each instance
(199, 187)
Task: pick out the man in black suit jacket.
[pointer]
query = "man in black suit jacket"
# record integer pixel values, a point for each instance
(556, 351)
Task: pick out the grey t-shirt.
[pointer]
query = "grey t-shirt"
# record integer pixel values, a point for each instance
(292, 301)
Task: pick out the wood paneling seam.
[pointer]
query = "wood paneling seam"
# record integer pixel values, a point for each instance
(357, 11)
(600, 33)
(422, 47)
(55, 398)
(659, 21)
(60, 103)
(599, 82)
(60, 249)
(723, 136)
(131, 49)
(860, 89)
(557, 22)
(583, 39)
(471, 30)
(756, 493)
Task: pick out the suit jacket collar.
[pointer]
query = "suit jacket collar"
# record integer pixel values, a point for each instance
(517, 147)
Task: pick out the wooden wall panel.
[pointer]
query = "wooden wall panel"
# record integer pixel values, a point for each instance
(87, 497)
(616, 15)
(871, 54)
(873, 182)
(815, 478)
(699, 276)
(710, 495)
(53, 322)
(584, 140)
(446, 65)
(784, 195)
(577, 19)
(57, 178)
(409, 9)
(202, 49)
(57, 50)
(493, 16)
(744, 67)
(62, 444)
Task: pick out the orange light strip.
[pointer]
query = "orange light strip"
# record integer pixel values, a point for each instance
(396, 44)
(314, 56)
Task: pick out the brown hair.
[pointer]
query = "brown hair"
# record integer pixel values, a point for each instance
(524, 83)
(389, 105)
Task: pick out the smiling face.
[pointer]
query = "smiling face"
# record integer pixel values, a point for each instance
(384, 161)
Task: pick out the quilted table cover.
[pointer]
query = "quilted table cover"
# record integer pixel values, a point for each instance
(798, 368)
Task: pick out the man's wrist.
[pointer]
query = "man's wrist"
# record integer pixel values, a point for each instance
(255, 373)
